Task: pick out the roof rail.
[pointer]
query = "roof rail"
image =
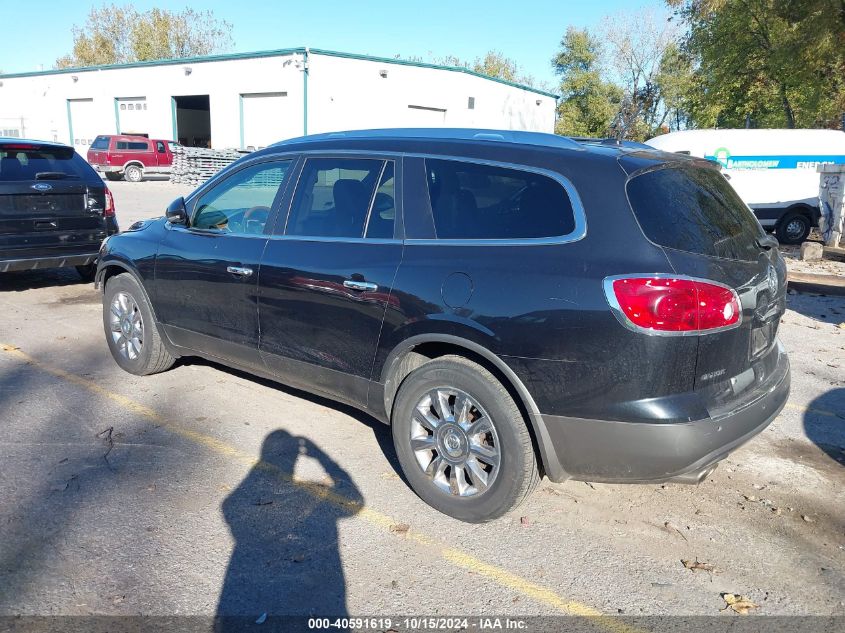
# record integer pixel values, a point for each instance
(610, 141)
(518, 137)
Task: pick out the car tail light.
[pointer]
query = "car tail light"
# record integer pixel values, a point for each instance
(663, 304)
(108, 212)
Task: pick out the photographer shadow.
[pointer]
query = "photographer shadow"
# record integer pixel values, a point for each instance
(286, 560)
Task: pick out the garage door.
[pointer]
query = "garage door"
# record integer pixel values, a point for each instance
(132, 115)
(84, 126)
(267, 118)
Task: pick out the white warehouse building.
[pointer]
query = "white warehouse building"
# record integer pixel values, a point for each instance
(250, 100)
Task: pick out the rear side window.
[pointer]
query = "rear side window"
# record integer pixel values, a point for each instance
(101, 142)
(694, 209)
(132, 145)
(41, 164)
(477, 201)
(334, 198)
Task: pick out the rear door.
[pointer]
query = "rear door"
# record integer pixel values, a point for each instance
(327, 274)
(707, 232)
(48, 204)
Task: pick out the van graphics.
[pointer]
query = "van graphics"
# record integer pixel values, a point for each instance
(808, 161)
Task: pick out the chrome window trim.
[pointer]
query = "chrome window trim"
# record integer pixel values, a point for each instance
(579, 215)
(619, 313)
(317, 238)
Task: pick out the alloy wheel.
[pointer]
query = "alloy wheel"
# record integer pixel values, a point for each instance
(454, 442)
(127, 326)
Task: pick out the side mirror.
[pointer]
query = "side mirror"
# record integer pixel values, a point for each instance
(176, 212)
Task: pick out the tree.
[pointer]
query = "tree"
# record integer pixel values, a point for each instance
(494, 64)
(779, 62)
(120, 34)
(643, 52)
(588, 104)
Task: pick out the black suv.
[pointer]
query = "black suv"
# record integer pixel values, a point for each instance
(54, 208)
(513, 304)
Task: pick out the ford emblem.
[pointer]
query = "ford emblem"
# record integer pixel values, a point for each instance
(42, 186)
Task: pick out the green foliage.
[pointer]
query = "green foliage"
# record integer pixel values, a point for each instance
(494, 64)
(588, 103)
(780, 62)
(120, 34)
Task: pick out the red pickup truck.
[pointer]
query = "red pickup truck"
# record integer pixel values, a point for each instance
(130, 157)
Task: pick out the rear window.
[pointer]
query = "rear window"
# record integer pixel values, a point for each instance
(477, 201)
(101, 142)
(694, 209)
(44, 164)
(137, 145)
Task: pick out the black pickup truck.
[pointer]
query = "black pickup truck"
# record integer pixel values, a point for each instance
(54, 208)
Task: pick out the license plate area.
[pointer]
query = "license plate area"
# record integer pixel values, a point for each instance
(762, 338)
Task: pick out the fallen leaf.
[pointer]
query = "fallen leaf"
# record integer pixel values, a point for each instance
(263, 502)
(807, 519)
(298, 558)
(389, 476)
(750, 498)
(261, 619)
(524, 521)
(400, 528)
(696, 565)
(738, 603)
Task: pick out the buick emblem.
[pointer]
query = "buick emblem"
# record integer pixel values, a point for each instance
(41, 186)
(772, 278)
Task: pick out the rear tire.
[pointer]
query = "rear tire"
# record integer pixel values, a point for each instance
(130, 328)
(482, 473)
(133, 173)
(113, 175)
(87, 272)
(793, 228)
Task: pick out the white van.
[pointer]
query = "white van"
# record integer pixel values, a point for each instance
(773, 171)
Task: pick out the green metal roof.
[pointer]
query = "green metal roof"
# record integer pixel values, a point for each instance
(277, 53)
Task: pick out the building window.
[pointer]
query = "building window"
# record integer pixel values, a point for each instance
(471, 103)
(122, 106)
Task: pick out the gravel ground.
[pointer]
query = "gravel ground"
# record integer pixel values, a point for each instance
(125, 495)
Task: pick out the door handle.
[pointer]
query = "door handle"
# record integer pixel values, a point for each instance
(240, 271)
(360, 285)
(45, 224)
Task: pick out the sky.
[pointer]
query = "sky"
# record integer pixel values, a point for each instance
(528, 31)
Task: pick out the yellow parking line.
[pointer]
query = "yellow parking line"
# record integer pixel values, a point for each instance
(451, 555)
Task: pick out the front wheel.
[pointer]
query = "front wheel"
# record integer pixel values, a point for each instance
(793, 228)
(131, 332)
(462, 442)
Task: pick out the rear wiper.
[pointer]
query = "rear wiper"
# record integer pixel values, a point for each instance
(767, 241)
(53, 175)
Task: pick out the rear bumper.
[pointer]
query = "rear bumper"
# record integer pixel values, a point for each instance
(56, 261)
(107, 168)
(613, 451)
